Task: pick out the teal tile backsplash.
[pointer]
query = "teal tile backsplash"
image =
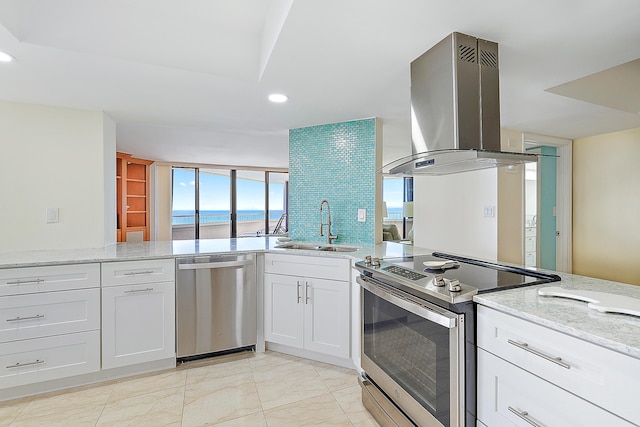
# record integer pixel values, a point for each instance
(336, 162)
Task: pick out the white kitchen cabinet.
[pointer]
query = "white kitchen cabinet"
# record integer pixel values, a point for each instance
(541, 371)
(307, 312)
(511, 396)
(138, 317)
(31, 280)
(48, 358)
(49, 313)
(49, 323)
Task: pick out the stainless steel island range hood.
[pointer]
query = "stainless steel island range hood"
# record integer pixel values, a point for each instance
(455, 110)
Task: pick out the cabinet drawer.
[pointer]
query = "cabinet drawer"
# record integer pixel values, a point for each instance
(308, 266)
(43, 359)
(50, 313)
(509, 396)
(29, 280)
(132, 272)
(601, 376)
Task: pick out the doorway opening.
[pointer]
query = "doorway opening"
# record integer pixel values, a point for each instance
(548, 210)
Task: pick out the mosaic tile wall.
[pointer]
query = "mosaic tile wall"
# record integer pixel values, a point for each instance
(336, 162)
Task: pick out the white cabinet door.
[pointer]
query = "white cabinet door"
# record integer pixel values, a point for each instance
(510, 396)
(283, 309)
(326, 320)
(138, 323)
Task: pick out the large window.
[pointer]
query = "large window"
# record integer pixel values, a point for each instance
(397, 195)
(223, 203)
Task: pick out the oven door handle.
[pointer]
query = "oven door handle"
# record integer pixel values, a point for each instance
(419, 308)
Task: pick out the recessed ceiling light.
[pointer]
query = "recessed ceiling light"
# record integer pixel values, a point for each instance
(5, 57)
(278, 97)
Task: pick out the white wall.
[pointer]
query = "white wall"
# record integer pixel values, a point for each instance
(449, 213)
(56, 158)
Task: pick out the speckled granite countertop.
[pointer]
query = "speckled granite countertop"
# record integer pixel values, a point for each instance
(617, 332)
(178, 248)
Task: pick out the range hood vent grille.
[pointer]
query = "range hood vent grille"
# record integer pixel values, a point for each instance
(488, 59)
(467, 53)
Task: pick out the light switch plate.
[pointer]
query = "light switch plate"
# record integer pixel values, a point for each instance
(52, 215)
(362, 215)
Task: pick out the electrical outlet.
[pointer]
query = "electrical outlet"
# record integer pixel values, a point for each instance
(52, 215)
(489, 211)
(362, 215)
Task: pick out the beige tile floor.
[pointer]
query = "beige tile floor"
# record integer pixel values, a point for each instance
(246, 389)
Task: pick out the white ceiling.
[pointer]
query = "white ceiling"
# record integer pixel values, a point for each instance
(187, 81)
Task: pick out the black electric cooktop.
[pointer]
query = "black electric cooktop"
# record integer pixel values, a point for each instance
(482, 275)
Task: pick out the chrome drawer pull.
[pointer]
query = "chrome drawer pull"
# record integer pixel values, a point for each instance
(135, 273)
(24, 282)
(299, 297)
(37, 316)
(18, 364)
(133, 291)
(525, 347)
(524, 415)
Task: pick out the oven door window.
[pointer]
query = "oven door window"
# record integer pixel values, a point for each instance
(413, 351)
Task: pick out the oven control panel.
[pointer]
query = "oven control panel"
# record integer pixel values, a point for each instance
(404, 272)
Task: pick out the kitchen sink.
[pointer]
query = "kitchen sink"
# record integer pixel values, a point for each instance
(314, 247)
(338, 248)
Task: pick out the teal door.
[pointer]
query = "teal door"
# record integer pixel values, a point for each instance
(546, 208)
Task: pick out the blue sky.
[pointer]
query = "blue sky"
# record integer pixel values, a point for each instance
(215, 192)
(393, 192)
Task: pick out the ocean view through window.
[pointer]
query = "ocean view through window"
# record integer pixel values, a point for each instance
(204, 207)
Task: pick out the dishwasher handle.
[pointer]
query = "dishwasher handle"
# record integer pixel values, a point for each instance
(220, 264)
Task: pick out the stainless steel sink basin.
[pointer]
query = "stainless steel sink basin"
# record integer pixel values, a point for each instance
(338, 248)
(312, 247)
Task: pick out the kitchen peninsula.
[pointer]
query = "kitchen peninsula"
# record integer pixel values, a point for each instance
(606, 336)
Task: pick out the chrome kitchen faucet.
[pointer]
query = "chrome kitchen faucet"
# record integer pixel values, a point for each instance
(330, 237)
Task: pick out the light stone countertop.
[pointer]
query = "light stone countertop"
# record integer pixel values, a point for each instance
(615, 331)
(618, 332)
(179, 248)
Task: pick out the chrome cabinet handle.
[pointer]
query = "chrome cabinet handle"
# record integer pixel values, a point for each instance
(135, 273)
(24, 282)
(18, 364)
(298, 286)
(306, 292)
(37, 316)
(525, 347)
(524, 415)
(133, 291)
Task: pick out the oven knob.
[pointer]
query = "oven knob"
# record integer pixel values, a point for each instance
(367, 259)
(454, 286)
(375, 262)
(438, 281)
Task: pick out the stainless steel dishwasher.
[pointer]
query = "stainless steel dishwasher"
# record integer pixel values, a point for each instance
(216, 302)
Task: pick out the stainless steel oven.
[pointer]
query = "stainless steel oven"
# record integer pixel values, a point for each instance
(415, 352)
(418, 349)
